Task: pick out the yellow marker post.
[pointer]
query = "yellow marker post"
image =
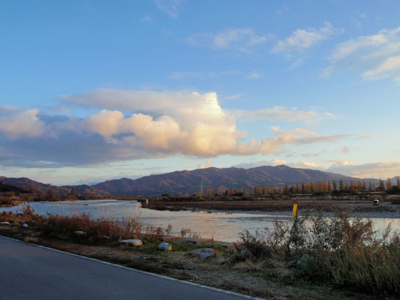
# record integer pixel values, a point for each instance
(294, 210)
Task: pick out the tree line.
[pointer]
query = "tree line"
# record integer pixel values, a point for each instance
(325, 187)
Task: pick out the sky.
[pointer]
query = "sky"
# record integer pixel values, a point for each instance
(97, 90)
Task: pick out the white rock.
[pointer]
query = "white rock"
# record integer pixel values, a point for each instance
(4, 223)
(204, 252)
(25, 225)
(132, 242)
(79, 232)
(165, 246)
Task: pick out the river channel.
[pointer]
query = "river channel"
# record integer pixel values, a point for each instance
(221, 226)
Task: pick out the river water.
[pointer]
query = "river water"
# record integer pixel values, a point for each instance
(218, 225)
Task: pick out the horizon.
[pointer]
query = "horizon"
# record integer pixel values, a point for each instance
(119, 178)
(95, 91)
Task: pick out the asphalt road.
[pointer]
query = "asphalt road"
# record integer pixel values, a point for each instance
(31, 272)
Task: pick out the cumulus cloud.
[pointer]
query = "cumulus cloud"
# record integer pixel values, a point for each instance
(302, 39)
(135, 125)
(242, 39)
(16, 123)
(284, 113)
(375, 56)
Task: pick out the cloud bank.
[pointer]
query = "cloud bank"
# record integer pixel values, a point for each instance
(382, 170)
(132, 125)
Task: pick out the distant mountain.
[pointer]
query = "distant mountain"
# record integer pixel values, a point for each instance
(38, 187)
(190, 182)
(5, 187)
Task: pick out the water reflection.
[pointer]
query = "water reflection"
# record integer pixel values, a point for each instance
(219, 225)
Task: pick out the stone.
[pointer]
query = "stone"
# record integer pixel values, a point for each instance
(4, 223)
(165, 246)
(133, 242)
(304, 260)
(25, 225)
(79, 232)
(204, 252)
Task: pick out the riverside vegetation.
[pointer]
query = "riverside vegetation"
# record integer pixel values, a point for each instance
(311, 257)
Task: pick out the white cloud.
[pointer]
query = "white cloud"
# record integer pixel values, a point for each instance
(17, 123)
(307, 165)
(171, 7)
(390, 67)
(376, 56)
(302, 39)
(384, 37)
(382, 170)
(146, 19)
(206, 165)
(106, 122)
(135, 125)
(255, 164)
(242, 39)
(284, 113)
(183, 75)
(233, 36)
(276, 145)
(253, 75)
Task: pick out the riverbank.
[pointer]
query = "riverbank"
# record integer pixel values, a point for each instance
(281, 207)
(219, 272)
(250, 273)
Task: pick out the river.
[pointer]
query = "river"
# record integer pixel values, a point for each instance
(221, 226)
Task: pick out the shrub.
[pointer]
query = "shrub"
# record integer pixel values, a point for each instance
(343, 250)
(256, 245)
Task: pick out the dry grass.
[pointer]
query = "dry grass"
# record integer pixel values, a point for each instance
(342, 251)
(243, 205)
(345, 253)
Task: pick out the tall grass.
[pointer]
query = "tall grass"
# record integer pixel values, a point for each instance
(342, 250)
(66, 226)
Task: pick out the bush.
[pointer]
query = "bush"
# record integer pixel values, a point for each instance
(256, 245)
(342, 250)
(65, 226)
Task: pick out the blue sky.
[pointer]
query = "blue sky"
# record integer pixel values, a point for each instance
(96, 90)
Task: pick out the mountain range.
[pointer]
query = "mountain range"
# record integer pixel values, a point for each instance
(35, 187)
(191, 182)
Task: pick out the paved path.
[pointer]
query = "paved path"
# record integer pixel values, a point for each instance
(31, 272)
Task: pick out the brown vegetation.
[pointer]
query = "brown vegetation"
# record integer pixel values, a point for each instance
(341, 253)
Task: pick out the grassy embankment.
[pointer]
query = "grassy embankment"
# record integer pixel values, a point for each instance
(265, 204)
(314, 260)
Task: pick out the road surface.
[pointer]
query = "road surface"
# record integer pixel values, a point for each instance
(32, 272)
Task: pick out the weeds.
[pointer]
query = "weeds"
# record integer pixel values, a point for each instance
(341, 250)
